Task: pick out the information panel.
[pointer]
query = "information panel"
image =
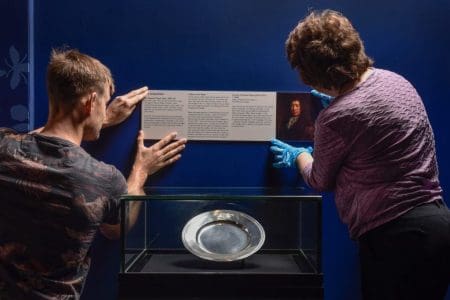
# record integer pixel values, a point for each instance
(228, 115)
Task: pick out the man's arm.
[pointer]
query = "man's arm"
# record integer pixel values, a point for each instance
(148, 161)
(119, 109)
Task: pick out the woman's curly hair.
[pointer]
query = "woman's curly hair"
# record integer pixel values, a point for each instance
(327, 51)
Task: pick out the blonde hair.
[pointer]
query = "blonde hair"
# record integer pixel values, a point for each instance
(72, 74)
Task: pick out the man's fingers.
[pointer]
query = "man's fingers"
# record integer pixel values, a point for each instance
(138, 91)
(133, 101)
(166, 144)
(165, 140)
(171, 160)
(172, 150)
(135, 96)
(178, 146)
(140, 138)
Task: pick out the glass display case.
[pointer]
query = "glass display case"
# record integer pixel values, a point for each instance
(285, 260)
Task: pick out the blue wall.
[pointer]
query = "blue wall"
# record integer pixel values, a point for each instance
(14, 64)
(237, 45)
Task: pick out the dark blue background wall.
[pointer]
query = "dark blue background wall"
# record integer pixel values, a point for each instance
(237, 45)
(14, 64)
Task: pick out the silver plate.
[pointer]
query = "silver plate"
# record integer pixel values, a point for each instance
(223, 235)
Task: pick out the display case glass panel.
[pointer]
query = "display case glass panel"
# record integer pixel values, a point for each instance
(153, 248)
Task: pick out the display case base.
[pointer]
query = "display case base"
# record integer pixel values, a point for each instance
(184, 276)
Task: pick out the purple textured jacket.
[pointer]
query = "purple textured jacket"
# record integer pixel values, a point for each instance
(374, 147)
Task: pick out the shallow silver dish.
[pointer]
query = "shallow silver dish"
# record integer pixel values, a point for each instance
(223, 235)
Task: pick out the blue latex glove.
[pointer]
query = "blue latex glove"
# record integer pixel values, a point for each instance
(285, 155)
(324, 98)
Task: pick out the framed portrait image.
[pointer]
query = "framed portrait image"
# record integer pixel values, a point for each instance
(296, 115)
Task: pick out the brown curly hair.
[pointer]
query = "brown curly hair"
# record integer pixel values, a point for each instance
(327, 51)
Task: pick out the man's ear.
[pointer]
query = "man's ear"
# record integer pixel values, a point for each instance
(88, 104)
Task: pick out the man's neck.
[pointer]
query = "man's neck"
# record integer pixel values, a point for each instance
(65, 129)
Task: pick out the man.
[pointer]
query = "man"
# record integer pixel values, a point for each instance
(374, 148)
(299, 126)
(53, 195)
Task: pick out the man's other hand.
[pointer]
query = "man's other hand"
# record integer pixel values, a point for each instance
(151, 159)
(163, 153)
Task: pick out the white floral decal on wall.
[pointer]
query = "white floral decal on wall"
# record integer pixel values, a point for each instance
(17, 68)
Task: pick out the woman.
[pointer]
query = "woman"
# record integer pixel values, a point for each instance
(374, 148)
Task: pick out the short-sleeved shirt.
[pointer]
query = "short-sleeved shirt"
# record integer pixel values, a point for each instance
(53, 197)
(374, 147)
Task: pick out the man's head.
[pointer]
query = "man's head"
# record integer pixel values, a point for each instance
(296, 108)
(327, 51)
(79, 83)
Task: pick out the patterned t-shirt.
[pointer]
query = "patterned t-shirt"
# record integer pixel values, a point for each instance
(53, 197)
